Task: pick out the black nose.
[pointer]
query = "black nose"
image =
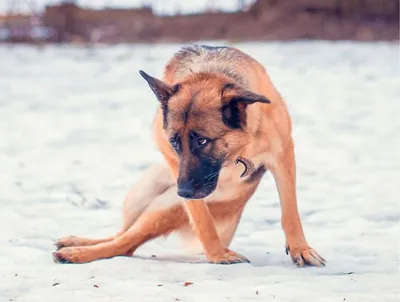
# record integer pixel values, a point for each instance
(186, 190)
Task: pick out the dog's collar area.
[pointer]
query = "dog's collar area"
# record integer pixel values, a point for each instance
(249, 167)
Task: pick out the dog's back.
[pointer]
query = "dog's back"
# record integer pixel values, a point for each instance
(200, 58)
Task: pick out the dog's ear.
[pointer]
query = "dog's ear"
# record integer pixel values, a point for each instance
(162, 91)
(234, 102)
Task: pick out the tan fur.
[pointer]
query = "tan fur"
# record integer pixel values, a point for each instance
(153, 207)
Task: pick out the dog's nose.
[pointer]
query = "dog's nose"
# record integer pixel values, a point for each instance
(186, 190)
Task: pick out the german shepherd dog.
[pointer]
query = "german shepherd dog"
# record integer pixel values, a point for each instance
(219, 114)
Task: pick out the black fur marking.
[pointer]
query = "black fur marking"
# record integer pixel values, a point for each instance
(212, 47)
(234, 111)
(207, 175)
(233, 116)
(175, 88)
(162, 91)
(189, 107)
(203, 173)
(249, 98)
(164, 108)
(228, 86)
(256, 175)
(195, 49)
(177, 139)
(187, 51)
(164, 105)
(186, 113)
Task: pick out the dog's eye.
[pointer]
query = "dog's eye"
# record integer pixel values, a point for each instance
(202, 141)
(174, 142)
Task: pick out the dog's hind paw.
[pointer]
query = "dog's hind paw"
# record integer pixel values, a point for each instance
(72, 255)
(228, 257)
(66, 242)
(58, 258)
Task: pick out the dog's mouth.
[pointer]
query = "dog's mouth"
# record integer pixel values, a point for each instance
(201, 194)
(192, 190)
(204, 188)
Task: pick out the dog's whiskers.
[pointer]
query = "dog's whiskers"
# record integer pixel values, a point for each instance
(211, 175)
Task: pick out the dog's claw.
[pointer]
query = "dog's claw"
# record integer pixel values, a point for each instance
(65, 242)
(72, 255)
(58, 258)
(225, 262)
(229, 257)
(244, 260)
(305, 256)
(298, 260)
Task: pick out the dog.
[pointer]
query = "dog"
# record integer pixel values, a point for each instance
(219, 114)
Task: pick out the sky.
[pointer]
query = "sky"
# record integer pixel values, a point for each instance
(160, 6)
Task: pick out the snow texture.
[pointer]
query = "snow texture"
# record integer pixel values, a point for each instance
(75, 128)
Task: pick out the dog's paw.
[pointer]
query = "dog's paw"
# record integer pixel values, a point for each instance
(70, 255)
(58, 258)
(305, 256)
(67, 241)
(228, 257)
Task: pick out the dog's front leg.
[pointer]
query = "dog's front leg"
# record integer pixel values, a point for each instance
(204, 226)
(283, 169)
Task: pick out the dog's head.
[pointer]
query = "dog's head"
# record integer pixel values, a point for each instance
(204, 118)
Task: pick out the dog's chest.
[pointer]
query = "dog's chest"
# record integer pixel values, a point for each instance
(231, 186)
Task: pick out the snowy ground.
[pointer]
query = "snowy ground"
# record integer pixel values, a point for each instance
(75, 135)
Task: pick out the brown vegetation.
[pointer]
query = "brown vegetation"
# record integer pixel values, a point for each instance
(366, 20)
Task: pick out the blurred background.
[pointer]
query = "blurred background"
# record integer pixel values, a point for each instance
(116, 21)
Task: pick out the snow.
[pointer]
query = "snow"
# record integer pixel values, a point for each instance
(75, 135)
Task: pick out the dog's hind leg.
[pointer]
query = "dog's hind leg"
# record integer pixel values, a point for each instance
(79, 241)
(164, 215)
(154, 182)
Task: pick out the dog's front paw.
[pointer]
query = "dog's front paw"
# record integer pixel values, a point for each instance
(71, 255)
(302, 256)
(227, 257)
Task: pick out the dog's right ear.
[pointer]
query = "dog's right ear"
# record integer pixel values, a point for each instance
(162, 91)
(235, 100)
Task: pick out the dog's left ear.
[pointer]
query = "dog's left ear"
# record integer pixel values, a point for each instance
(162, 91)
(235, 99)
